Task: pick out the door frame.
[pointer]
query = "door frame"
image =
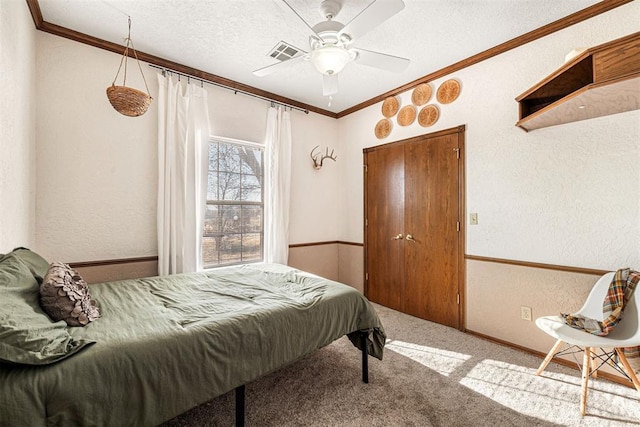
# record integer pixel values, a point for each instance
(460, 130)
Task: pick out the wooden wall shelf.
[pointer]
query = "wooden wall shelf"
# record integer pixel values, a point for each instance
(600, 81)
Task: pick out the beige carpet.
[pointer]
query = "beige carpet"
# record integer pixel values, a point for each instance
(431, 375)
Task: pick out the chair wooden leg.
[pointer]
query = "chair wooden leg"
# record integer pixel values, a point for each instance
(586, 369)
(550, 355)
(628, 368)
(594, 372)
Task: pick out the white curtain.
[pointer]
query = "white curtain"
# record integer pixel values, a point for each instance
(183, 134)
(278, 186)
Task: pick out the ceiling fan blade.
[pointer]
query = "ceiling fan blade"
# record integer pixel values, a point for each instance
(381, 60)
(372, 16)
(329, 84)
(289, 10)
(270, 69)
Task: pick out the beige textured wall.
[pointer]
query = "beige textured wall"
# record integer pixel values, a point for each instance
(495, 292)
(109, 273)
(17, 126)
(317, 259)
(351, 266)
(336, 261)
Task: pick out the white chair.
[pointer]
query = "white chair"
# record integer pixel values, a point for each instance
(624, 334)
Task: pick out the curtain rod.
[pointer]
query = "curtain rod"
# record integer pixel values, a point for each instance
(201, 80)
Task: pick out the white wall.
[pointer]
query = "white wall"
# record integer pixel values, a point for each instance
(17, 126)
(97, 169)
(567, 195)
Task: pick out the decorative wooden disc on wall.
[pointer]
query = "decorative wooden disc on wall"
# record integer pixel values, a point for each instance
(448, 91)
(390, 106)
(383, 128)
(421, 94)
(407, 115)
(428, 115)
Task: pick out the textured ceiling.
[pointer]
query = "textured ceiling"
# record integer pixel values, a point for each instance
(232, 38)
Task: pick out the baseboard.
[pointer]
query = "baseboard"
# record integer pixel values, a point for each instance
(605, 375)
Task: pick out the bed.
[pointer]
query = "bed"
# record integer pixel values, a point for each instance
(163, 345)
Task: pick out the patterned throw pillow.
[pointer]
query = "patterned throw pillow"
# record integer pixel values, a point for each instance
(64, 295)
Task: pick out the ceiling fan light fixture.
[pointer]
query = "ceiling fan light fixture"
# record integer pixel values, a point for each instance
(330, 59)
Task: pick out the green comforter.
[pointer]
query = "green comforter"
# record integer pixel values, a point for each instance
(166, 344)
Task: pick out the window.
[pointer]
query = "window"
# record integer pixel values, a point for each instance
(233, 225)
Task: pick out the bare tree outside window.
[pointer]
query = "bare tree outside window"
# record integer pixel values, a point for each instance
(233, 226)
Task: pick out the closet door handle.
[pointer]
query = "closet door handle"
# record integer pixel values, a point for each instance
(398, 237)
(410, 238)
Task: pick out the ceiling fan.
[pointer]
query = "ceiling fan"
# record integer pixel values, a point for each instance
(331, 42)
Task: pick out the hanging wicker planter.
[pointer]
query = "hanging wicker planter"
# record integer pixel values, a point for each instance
(127, 100)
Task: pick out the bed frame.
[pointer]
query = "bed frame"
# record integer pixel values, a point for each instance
(156, 333)
(241, 392)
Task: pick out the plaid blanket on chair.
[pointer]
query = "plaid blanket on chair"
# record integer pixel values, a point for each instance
(620, 292)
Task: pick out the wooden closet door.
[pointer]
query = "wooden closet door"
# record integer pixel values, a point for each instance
(384, 213)
(416, 187)
(431, 218)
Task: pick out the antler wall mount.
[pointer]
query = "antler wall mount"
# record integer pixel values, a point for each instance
(318, 158)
